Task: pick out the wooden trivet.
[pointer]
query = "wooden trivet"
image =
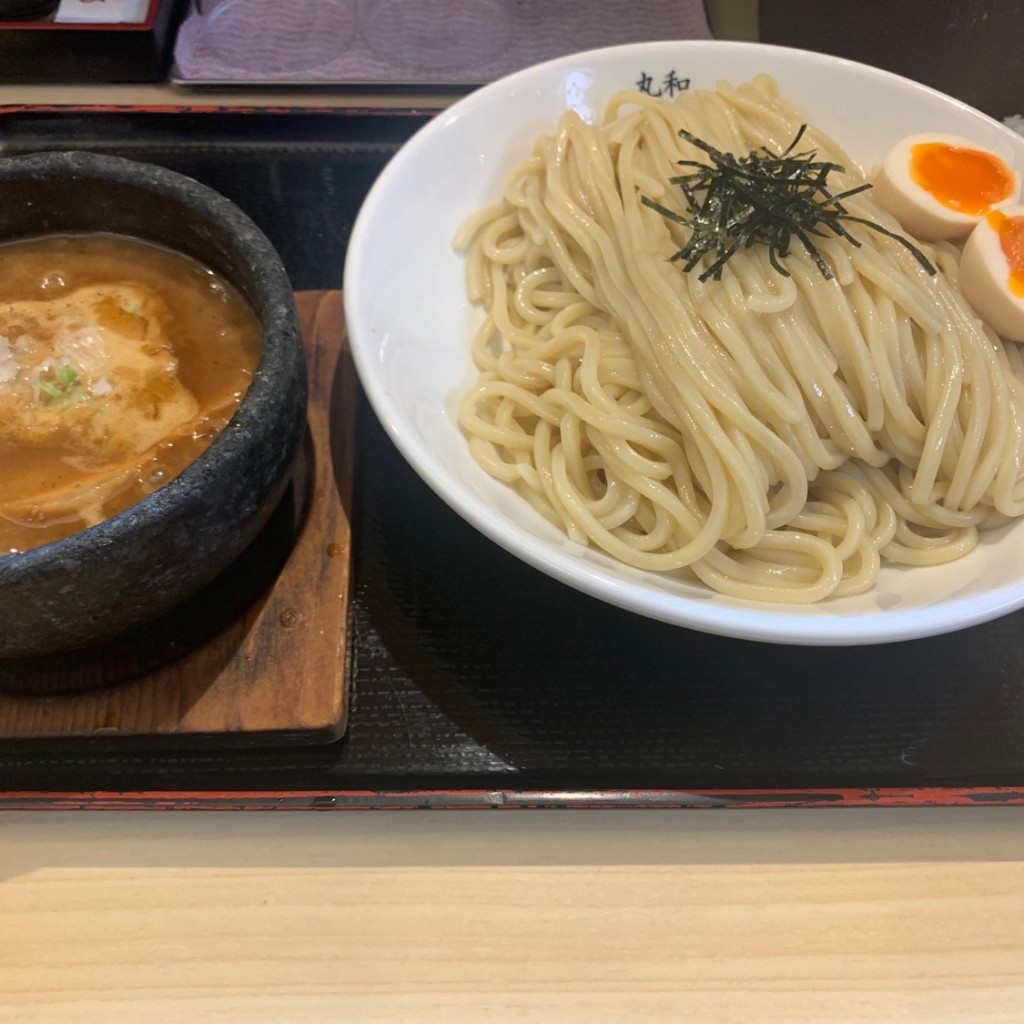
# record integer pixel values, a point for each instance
(258, 658)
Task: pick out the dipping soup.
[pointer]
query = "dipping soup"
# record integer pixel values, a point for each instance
(120, 361)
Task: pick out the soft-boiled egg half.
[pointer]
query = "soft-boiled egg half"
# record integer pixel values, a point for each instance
(940, 186)
(992, 271)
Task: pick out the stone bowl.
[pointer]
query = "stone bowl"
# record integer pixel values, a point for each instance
(151, 558)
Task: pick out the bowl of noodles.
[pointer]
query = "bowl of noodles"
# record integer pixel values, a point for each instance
(809, 444)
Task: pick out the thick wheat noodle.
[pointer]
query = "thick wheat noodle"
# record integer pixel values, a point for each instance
(774, 437)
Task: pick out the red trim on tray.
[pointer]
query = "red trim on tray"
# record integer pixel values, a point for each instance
(230, 800)
(88, 26)
(166, 108)
(205, 108)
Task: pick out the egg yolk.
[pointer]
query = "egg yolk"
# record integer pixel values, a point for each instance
(1011, 240)
(966, 180)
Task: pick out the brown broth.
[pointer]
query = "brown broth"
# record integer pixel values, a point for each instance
(213, 333)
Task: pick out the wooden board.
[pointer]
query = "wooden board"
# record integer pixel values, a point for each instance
(260, 656)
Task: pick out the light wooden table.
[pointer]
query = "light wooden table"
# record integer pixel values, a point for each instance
(738, 917)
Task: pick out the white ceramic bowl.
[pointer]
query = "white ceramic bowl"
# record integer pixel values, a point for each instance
(410, 323)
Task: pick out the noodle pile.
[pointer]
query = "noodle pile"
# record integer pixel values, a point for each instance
(774, 437)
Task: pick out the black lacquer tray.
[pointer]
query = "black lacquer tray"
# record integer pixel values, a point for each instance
(476, 680)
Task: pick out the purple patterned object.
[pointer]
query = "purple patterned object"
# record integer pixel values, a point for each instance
(409, 42)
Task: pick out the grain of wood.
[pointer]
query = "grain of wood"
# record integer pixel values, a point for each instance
(278, 667)
(732, 917)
